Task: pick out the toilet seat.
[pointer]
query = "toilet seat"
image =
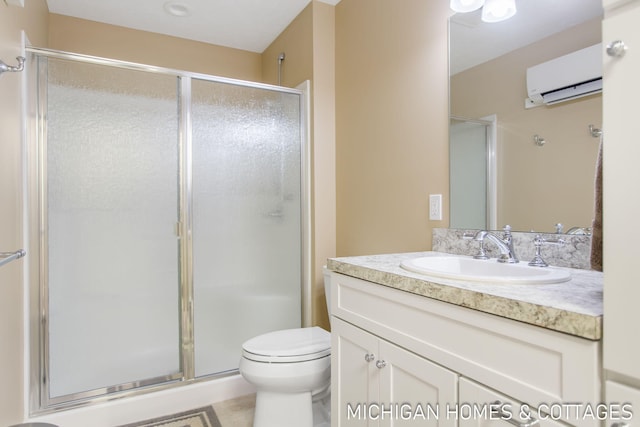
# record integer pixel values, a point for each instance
(288, 346)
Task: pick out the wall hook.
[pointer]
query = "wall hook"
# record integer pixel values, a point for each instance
(539, 140)
(596, 133)
(4, 67)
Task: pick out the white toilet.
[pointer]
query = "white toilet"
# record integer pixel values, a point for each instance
(291, 370)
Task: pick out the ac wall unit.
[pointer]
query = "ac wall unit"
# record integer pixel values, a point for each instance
(568, 77)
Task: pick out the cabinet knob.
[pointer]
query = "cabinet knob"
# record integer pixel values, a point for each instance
(616, 49)
(369, 357)
(380, 364)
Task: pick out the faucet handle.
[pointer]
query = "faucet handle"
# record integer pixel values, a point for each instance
(538, 241)
(481, 252)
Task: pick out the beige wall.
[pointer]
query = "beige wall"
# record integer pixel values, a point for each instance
(33, 19)
(296, 41)
(538, 186)
(324, 151)
(391, 126)
(110, 41)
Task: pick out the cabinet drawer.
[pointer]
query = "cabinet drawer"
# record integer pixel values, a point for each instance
(491, 408)
(624, 404)
(530, 363)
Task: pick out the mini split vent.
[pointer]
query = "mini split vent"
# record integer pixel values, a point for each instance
(565, 78)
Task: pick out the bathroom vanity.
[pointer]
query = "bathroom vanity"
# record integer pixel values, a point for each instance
(407, 348)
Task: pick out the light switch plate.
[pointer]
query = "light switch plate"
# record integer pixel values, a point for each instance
(15, 2)
(435, 207)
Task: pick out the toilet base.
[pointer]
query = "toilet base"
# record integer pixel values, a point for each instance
(283, 409)
(322, 409)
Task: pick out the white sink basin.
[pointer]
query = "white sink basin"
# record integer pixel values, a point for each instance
(476, 270)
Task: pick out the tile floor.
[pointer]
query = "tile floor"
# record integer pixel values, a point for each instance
(236, 412)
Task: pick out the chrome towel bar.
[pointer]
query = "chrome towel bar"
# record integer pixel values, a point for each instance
(7, 257)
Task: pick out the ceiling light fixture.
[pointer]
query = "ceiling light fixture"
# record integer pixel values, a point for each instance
(464, 6)
(177, 9)
(498, 10)
(492, 10)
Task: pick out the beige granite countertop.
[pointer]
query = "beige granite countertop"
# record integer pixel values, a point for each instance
(573, 307)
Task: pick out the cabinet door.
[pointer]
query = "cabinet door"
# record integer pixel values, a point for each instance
(417, 391)
(621, 202)
(484, 407)
(376, 383)
(354, 376)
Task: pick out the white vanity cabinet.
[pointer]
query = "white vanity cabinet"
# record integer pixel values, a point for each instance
(433, 350)
(621, 358)
(372, 373)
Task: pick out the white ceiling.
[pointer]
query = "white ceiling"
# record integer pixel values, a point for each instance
(243, 24)
(474, 42)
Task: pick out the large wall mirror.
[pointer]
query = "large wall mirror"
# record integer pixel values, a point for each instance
(531, 168)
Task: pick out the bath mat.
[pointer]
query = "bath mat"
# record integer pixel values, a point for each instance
(201, 417)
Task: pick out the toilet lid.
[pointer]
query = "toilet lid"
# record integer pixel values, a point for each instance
(289, 345)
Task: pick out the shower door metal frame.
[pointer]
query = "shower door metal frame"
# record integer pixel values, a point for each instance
(38, 339)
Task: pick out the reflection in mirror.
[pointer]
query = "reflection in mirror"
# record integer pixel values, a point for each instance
(538, 185)
(472, 185)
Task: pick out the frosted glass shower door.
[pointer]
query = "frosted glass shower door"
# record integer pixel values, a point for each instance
(111, 195)
(247, 245)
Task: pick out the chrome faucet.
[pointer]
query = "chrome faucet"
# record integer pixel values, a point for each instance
(504, 243)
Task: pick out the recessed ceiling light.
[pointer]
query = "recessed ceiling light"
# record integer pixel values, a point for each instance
(177, 9)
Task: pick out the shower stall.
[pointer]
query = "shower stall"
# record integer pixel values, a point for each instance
(169, 222)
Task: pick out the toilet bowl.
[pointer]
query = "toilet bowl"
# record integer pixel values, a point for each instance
(291, 370)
